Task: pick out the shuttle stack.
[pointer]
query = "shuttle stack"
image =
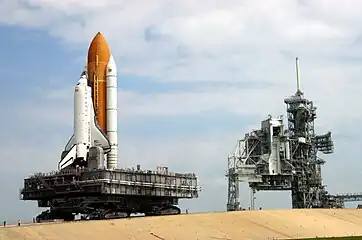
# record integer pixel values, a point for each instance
(95, 109)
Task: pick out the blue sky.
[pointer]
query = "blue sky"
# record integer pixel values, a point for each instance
(193, 78)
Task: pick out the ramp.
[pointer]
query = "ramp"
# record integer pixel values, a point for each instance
(258, 224)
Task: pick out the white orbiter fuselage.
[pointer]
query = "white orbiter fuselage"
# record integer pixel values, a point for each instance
(86, 131)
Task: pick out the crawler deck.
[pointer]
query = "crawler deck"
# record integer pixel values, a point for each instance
(100, 191)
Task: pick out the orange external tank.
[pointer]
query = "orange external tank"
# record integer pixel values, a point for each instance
(98, 58)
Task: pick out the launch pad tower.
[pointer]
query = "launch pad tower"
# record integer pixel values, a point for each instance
(274, 158)
(307, 188)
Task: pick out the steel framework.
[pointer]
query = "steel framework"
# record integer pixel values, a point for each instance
(102, 193)
(274, 158)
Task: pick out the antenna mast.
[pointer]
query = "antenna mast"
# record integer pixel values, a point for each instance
(299, 92)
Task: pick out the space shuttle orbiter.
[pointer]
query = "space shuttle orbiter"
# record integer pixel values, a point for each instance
(87, 133)
(95, 109)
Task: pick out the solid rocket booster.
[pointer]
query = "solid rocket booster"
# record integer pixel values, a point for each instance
(95, 108)
(112, 113)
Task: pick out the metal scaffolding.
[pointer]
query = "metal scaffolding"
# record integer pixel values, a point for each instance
(103, 193)
(274, 158)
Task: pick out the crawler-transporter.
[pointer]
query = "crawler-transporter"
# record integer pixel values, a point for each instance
(95, 192)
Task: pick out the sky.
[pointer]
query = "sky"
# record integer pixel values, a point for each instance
(194, 77)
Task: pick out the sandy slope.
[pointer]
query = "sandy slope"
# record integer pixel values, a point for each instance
(264, 224)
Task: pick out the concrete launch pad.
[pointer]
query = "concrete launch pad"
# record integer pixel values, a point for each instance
(258, 224)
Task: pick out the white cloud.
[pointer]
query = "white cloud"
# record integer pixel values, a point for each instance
(223, 45)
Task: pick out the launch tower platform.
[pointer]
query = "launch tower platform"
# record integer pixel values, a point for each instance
(104, 193)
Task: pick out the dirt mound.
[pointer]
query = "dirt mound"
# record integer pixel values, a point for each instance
(259, 224)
